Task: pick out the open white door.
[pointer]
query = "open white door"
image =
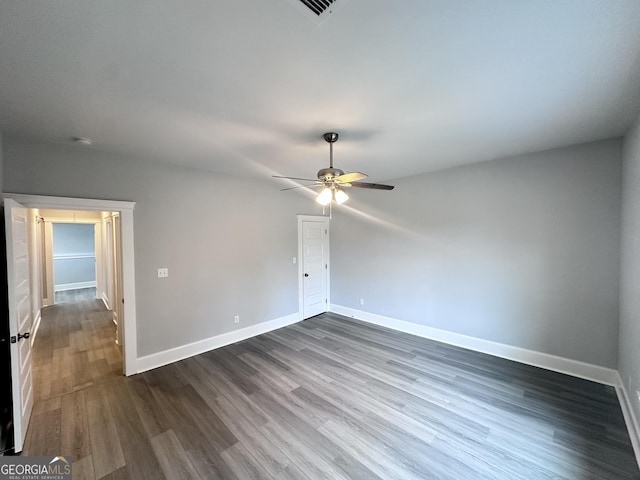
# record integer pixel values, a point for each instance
(19, 317)
(315, 264)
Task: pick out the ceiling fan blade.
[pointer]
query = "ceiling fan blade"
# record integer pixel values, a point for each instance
(374, 186)
(296, 178)
(350, 177)
(313, 185)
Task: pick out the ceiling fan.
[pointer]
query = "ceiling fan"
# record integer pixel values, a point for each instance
(333, 180)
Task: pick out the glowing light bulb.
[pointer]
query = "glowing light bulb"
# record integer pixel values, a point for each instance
(341, 196)
(324, 198)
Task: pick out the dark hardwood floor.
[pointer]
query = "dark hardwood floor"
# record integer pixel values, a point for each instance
(74, 349)
(329, 397)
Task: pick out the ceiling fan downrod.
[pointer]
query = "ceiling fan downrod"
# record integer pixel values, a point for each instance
(331, 138)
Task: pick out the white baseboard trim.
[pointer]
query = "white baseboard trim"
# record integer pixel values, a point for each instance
(633, 426)
(73, 286)
(568, 366)
(159, 359)
(36, 325)
(105, 300)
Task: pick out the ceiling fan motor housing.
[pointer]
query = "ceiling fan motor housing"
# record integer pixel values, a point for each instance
(334, 178)
(328, 174)
(330, 137)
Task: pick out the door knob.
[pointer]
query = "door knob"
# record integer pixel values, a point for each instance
(306, 274)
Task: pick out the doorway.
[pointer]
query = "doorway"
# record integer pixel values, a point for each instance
(81, 259)
(17, 205)
(74, 261)
(126, 308)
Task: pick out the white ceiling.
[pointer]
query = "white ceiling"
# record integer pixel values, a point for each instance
(249, 86)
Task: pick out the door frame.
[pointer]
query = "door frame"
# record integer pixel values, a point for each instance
(312, 218)
(47, 263)
(129, 332)
(108, 293)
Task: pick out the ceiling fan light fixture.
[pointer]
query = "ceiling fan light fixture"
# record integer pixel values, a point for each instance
(340, 196)
(334, 180)
(324, 197)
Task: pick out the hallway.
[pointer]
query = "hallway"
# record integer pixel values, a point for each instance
(74, 350)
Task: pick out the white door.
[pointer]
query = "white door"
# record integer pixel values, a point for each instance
(19, 317)
(315, 264)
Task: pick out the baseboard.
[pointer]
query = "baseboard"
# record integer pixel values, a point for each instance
(63, 287)
(568, 366)
(36, 325)
(629, 417)
(159, 359)
(105, 300)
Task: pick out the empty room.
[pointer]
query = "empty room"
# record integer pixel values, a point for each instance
(325, 239)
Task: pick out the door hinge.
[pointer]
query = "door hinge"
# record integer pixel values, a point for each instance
(325, 266)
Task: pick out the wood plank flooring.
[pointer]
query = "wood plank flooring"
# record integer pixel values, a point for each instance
(330, 398)
(74, 349)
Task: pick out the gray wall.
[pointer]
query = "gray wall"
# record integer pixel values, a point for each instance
(227, 242)
(69, 240)
(522, 251)
(629, 357)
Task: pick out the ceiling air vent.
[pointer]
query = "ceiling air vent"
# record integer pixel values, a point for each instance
(318, 11)
(318, 7)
